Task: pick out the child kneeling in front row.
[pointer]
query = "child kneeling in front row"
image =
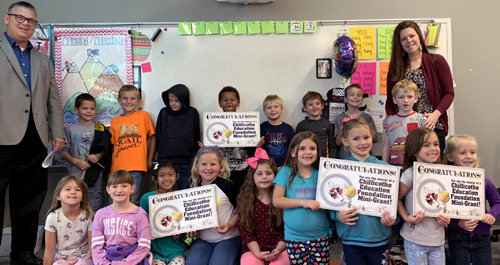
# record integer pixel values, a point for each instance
(364, 238)
(121, 233)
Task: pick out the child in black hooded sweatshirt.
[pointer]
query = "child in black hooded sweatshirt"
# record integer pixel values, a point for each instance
(178, 131)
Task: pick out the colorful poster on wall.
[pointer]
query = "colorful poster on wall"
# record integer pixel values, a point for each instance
(94, 61)
(231, 129)
(383, 69)
(457, 192)
(371, 188)
(41, 41)
(182, 211)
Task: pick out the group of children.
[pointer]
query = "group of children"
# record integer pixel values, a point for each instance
(266, 210)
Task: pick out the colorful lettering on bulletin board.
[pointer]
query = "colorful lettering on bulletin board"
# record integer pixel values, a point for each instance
(365, 75)
(384, 41)
(364, 37)
(383, 68)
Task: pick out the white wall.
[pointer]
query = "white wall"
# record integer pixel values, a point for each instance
(474, 26)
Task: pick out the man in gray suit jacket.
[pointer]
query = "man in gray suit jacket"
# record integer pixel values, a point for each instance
(30, 115)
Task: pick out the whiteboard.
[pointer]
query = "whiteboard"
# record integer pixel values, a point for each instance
(256, 65)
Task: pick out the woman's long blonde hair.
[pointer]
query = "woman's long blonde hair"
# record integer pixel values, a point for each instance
(84, 204)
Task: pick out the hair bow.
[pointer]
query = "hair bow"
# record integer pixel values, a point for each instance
(346, 119)
(259, 154)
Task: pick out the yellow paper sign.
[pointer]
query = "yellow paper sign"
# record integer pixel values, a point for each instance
(364, 37)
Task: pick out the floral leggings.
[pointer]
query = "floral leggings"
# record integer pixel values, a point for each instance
(175, 261)
(309, 252)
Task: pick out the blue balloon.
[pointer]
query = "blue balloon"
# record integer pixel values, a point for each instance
(344, 56)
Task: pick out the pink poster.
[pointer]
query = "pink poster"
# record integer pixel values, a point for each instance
(366, 76)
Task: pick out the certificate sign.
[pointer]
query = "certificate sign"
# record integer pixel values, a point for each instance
(182, 211)
(457, 192)
(371, 188)
(231, 129)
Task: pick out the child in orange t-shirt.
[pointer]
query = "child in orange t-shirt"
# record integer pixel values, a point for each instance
(130, 133)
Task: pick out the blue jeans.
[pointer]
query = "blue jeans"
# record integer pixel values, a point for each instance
(358, 255)
(424, 255)
(137, 177)
(224, 252)
(467, 248)
(185, 173)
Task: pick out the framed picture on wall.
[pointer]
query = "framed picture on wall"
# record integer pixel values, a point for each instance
(324, 68)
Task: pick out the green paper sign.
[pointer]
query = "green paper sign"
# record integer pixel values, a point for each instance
(212, 28)
(267, 27)
(253, 27)
(226, 27)
(282, 27)
(384, 39)
(184, 28)
(199, 28)
(240, 28)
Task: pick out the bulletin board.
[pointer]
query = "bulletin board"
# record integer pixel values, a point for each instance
(255, 64)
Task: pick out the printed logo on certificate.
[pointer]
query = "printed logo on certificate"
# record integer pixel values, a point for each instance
(231, 129)
(457, 192)
(371, 188)
(182, 211)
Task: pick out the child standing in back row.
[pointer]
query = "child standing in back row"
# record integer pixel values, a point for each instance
(178, 131)
(313, 104)
(353, 99)
(229, 101)
(87, 149)
(132, 138)
(469, 240)
(405, 95)
(276, 134)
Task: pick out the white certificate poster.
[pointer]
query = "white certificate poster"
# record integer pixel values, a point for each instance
(231, 129)
(457, 192)
(371, 188)
(182, 211)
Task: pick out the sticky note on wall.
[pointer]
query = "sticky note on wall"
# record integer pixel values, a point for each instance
(253, 27)
(282, 27)
(240, 28)
(364, 37)
(212, 28)
(267, 27)
(199, 28)
(184, 28)
(226, 27)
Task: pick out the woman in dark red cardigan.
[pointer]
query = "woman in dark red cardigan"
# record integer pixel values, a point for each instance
(411, 60)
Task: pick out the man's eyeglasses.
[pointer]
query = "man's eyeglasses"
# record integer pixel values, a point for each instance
(20, 19)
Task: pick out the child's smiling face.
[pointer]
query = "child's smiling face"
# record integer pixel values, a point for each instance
(229, 102)
(208, 167)
(167, 177)
(354, 97)
(359, 141)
